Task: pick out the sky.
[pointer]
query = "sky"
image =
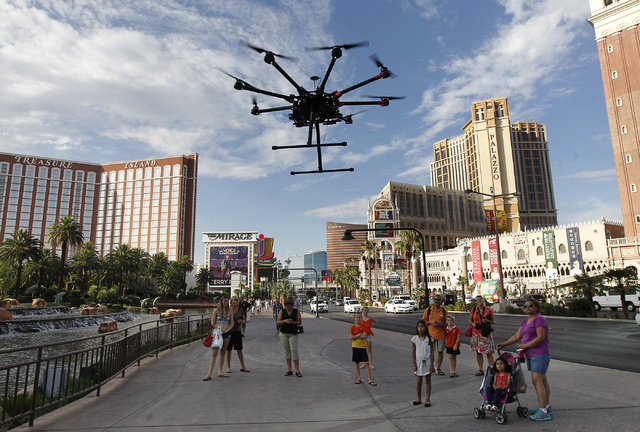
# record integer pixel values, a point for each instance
(113, 80)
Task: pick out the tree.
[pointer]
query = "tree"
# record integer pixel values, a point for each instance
(171, 280)
(43, 269)
(203, 277)
(621, 278)
(462, 281)
(84, 263)
(157, 264)
(283, 289)
(409, 245)
(119, 265)
(66, 233)
(368, 252)
(588, 286)
(22, 247)
(186, 266)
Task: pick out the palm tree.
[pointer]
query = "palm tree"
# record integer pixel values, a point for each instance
(202, 278)
(186, 266)
(587, 286)
(621, 278)
(409, 245)
(18, 249)
(44, 269)
(157, 264)
(120, 264)
(67, 233)
(170, 281)
(83, 263)
(368, 254)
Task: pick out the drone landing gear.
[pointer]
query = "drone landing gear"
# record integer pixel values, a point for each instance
(318, 146)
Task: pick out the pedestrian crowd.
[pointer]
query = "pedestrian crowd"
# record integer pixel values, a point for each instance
(436, 334)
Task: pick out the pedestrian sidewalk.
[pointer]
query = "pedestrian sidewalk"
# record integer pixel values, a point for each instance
(167, 393)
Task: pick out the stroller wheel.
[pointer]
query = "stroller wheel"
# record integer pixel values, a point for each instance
(478, 413)
(525, 412)
(500, 418)
(519, 411)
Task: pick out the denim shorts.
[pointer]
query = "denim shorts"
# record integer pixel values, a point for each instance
(369, 338)
(538, 364)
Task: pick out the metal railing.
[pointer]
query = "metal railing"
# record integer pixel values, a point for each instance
(50, 378)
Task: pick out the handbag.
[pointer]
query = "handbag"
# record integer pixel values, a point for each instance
(208, 340)
(299, 329)
(469, 330)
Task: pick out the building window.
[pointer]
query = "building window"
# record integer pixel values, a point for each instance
(504, 254)
(562, 249)
(614, 75)
(633, 187)
(607, 2)
(539, 251)
(588, 246)
(628, 158)
(610, 48)
(619, 102)
(638, 219)
(623, 130)
(485, 256)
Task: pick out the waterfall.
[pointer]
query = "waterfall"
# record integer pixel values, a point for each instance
(56, 322)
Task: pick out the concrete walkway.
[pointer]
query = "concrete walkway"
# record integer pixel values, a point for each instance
(167, 393)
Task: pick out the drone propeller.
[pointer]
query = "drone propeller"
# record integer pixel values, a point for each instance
(378, 63)
(264, 51)
(255, 110)
(385, 97)
(228, 74)
(348, 119)
(345, 46)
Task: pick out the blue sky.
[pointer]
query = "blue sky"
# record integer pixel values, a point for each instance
(107, 81)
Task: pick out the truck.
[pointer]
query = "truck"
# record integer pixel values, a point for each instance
(611, 299)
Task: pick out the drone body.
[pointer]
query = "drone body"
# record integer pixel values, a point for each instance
(313, 108)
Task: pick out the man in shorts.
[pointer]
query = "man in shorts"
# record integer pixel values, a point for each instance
(436, 319)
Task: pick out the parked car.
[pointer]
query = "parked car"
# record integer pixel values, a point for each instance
(520, 301)
(611, 299)
(322, 306)
(352, 306)
(398, 306)
(339, 302)
(408, 299)
(566, 299)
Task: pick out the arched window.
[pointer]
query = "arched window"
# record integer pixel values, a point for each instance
(539, 251)
(588, 246)
(521, 254)
(469, 258)
(562, 249)
(485, 257)
(504, 254)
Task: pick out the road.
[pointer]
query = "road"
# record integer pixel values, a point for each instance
(610, 343)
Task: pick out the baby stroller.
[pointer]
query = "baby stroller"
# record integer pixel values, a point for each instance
(516, 385)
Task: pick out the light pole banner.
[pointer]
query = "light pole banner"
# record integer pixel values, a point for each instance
(493, 258)
(551, 260)
(490, 220)
(476, 255)
(575, 250)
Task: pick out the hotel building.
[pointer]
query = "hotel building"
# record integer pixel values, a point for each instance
(148, 204)
(617, 36)
(340, 251)
(493, 156)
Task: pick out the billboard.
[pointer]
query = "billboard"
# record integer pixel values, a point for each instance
(477, 260)
(225, 259)
(383, 229)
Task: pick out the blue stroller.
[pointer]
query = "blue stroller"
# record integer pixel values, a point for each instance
(516, 385)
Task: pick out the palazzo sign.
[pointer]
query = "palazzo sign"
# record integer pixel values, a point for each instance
(493, 148)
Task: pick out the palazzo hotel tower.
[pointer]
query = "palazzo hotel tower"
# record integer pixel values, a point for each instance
(148, 204)
(618, 39)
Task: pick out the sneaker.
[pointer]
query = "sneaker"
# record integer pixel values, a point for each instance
(549, 410)
(486, 406)
(540, 416)
(493, 408)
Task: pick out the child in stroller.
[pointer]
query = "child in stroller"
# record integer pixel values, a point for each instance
(501, 384)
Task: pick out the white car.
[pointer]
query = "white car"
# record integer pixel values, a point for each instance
(352, 306)
(398, 306)
(322, 307)
(407, 299)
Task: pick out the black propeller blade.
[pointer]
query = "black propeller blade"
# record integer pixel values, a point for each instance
(228, 74)
(264, 51)
(385, 97)
(345, 46)
(379, 63)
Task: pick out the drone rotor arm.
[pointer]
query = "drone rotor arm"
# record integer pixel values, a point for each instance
(381, 75)
(258, 111)
(300, 90)
(249, 87)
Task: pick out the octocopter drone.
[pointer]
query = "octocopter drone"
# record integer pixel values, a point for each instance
(313, 108)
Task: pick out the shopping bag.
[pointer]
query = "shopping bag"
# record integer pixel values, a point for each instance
(217, 339)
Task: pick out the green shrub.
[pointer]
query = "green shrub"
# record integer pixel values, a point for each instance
(514, 310)
(579, 308)
(461, 306)
(449, 307)
(552, 310)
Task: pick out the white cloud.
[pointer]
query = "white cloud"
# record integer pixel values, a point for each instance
(608, 175)
(353, 210)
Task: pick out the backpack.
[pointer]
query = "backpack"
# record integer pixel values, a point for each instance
(444, 311)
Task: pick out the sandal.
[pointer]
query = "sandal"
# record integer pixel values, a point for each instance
(479, 373)
(358, 382)
(298, 374)
(289, 373)
(223, 376)
(439, 371)
(428, 404)
(371, 383)
(417, 402)
(455, 375)
(452, 376)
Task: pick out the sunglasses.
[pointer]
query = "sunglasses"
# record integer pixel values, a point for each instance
(527, 306)
(435, 300)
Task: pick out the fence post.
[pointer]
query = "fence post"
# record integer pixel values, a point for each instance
(32, 416)
(100, 364)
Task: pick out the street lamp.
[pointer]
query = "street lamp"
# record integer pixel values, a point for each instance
(495, 228)
(348, 236)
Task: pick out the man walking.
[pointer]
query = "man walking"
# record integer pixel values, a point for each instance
(436, 319)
